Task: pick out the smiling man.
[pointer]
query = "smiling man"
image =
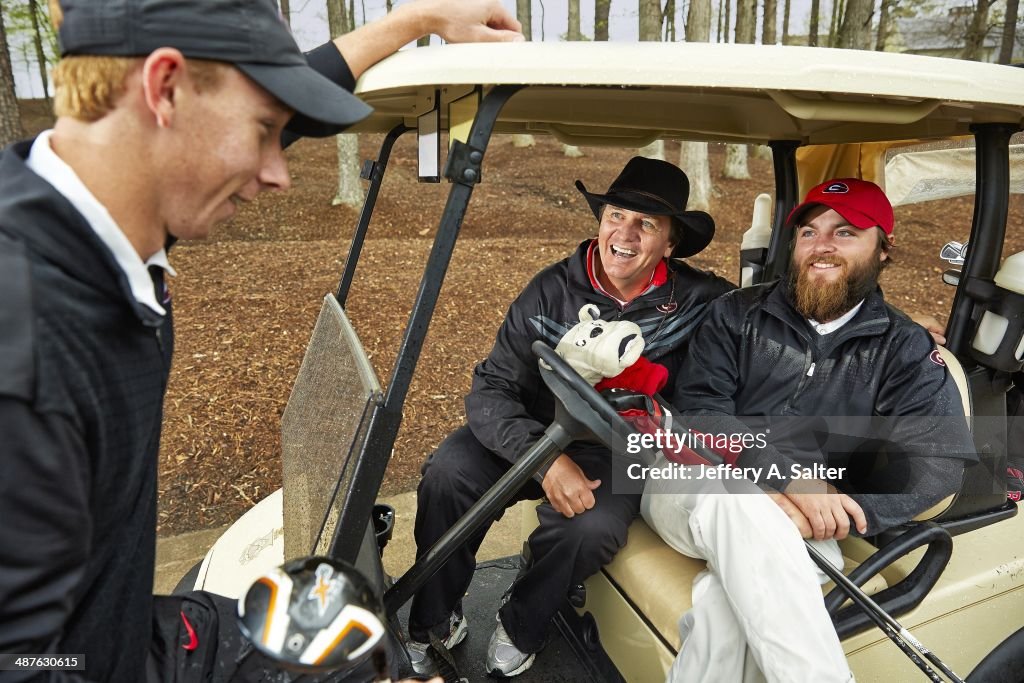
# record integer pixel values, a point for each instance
(634, 271)
(169, 114)
(821, 343)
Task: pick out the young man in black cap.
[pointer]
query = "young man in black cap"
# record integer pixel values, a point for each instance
(631, 271)
(821, 342)
(170, 113)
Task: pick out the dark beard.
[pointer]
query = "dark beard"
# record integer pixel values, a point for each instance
(827, 301)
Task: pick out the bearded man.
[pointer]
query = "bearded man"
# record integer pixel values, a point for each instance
(821, 342)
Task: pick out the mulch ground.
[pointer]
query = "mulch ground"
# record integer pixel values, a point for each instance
(245, 300)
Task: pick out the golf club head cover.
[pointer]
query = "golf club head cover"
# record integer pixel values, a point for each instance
(598, 348)
(607, 354)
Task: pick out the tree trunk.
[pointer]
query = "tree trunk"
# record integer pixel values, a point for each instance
(768, 33)
(975, 38)
(884, 21)
(746, 21)
(1009, 32)
(812, 28)
(524, 14)
(286, 11)
(670, 21)
(601, 10)
(693, 156)
(650, 20)
(573, 33)
(856, 27)
(785, 22)
(736, 162)
(349, 191)
(655, 150)
(10, 116)
(542, 11)
(833, 25)
(728, 20)
(719, 36)
(37, 38)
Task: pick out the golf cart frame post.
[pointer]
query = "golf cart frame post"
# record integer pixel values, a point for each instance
(463, 169)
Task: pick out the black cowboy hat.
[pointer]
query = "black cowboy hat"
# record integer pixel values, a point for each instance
(656, 188)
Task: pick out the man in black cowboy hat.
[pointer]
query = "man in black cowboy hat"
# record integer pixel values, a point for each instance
(631, 271)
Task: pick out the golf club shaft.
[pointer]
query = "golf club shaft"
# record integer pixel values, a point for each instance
(892, 628)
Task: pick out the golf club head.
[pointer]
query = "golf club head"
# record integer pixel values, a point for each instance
(313, 614)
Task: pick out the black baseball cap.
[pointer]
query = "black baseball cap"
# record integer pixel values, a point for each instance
(250, 34)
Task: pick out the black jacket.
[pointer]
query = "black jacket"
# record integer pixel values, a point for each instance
(81, 396)
(509, 407)
(755, 356)
(83, 370)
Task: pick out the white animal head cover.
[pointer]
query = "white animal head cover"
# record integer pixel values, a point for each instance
(597, 349)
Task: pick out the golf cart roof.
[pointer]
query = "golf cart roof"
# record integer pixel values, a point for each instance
(633, 93)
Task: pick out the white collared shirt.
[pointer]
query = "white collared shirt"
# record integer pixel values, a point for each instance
(45, 163)
(830, 327)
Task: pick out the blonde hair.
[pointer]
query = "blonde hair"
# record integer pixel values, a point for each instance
(88, 87)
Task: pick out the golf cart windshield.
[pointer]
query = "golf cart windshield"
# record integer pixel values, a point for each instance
(324, 423)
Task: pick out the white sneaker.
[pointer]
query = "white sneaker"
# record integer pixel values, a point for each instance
(504, 659)
(419, 656)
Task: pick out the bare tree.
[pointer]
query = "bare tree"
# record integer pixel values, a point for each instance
(37, 40)
(746, 21)
(10, 116)
(602, 8)
(976, 31)
(574, 21)
(768, 30)
(650, 30)
(728, 20)
(286, 11)
(524, 15)
(1009, 32)
(855, 32)
(746, 25)
(573, 34)
(349, 191)
(670, 21)
(884, 22)
(650, 20)
(693, 156)
(812, 27)
(785, 22)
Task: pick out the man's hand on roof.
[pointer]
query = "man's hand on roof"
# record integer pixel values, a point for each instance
(567, 488)
(469, 21)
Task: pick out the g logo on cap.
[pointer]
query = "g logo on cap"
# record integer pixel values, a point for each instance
(836, 188)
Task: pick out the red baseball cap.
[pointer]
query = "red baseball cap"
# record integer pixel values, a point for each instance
(860, 202)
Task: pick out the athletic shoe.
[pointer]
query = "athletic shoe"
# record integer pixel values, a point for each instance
(419, 653)
(504, 659)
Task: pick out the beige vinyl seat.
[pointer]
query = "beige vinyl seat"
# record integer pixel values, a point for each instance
(647, 586)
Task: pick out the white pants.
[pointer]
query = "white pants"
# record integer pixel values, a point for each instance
(758, 612)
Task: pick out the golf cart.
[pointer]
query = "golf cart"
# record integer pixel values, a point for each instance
(956, 581)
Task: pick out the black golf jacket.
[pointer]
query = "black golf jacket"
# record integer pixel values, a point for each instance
(509, 406)
(756, 357)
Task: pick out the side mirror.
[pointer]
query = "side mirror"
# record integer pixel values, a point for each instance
(315, 614)
(951, 277)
